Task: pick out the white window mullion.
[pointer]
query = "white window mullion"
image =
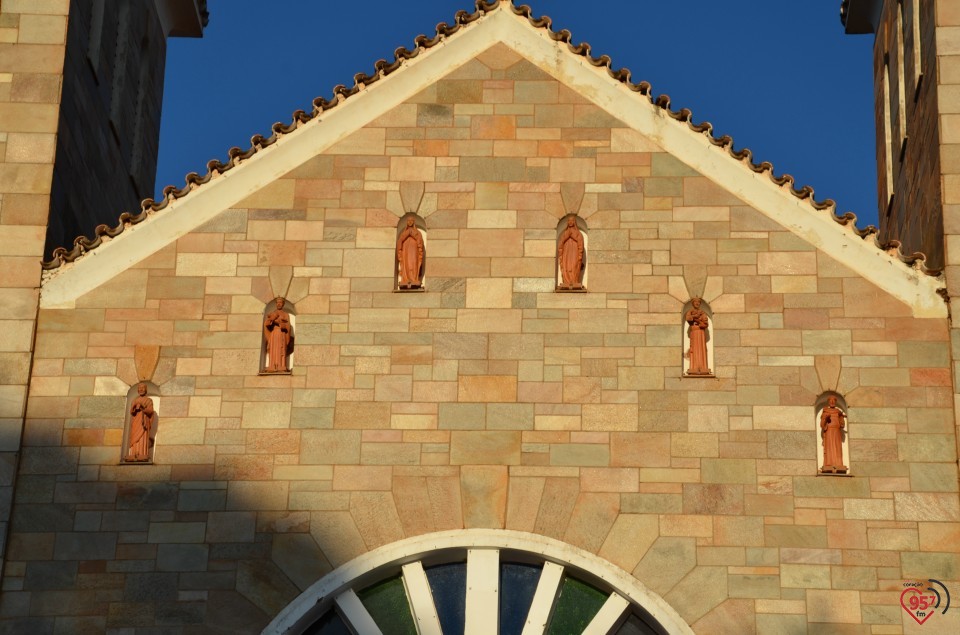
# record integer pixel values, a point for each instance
(356, 615)
(610, 613)
(543, 599)
(421, 599)
(483, 592)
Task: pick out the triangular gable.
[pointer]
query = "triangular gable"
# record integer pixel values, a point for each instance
(474, 33)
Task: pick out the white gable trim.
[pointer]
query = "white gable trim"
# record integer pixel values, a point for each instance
(911, 286)
(290, 151)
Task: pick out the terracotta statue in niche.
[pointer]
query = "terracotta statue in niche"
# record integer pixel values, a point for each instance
(570, 256)
(410, 256)
(833, 424)
(699, 324)
(278, 335)
(142, 419)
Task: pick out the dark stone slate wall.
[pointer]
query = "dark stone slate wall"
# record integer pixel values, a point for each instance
(108, 135)
(915, 214)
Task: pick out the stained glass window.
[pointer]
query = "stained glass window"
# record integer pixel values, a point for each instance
(549, 596)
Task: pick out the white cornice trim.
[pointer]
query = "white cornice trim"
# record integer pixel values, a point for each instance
(911, 286)
(291, 150)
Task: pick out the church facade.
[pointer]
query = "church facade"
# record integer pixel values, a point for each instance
(492, 341)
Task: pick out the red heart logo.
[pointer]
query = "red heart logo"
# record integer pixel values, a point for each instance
(917, 604)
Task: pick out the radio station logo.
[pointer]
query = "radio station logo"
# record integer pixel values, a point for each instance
(921, 602)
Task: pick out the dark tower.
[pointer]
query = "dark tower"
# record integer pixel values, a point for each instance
(109, 127)
(916, 82)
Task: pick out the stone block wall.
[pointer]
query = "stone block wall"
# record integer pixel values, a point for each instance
(489, 400)
(948, 105)
(32, 42)
(948, 109)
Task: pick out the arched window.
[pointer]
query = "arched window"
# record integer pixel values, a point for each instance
(886, 204)
(901, 81)
(276, 348)
(122, 57)
(141, 424)
(411, 256)
(916, 42)
(572, 254)
(833, 450)
(95, 36)
(697, 339)
(478, 581)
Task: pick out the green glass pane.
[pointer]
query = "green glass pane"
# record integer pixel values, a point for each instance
(577, 604)
(387, 604)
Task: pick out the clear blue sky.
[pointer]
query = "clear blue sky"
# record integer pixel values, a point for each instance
(779, 76)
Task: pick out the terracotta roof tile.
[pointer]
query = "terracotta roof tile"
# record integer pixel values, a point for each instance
(382, 68)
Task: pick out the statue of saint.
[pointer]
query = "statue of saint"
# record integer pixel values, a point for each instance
(410, 256)
(278, 334)
(697, 353)
(142, 418)
(833, 423)
(570, 256)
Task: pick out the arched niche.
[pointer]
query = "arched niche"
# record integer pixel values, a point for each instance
(572, 237)
(270, 322)
(410, 261)
(138, 416)
(822, 404)
(491, 580)
(695, 335)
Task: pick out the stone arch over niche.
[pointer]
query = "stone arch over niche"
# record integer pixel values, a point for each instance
(565, 250)
(153, 394)
(442, 579)
(689, 340)
(291, 311)
(410, 263)
(823, 401)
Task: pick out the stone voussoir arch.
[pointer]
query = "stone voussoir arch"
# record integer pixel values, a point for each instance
(627, 595)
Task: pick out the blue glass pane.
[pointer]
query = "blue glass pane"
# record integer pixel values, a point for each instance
(518, 583)
(636, 626)
(576, 605)
(329, 624)
(387, 604)
(448, 583)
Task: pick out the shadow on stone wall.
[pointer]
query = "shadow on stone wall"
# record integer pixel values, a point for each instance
(188, 555)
